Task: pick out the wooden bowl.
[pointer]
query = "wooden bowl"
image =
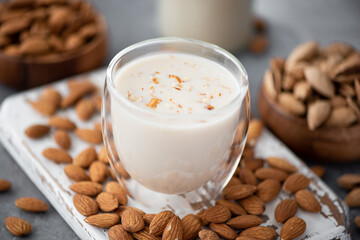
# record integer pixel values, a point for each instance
(324, 144)
(28, 72)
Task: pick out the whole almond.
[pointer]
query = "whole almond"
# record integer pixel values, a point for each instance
(89, 135)
(85, 205)
(318, 170)
(266, 173)
(122, 209)
(51, 95)
(34, 46)
(86, 188)
(350, 64)
(118, 191)
(357, 221)
(145, 235)
(98, 172)
(291, 104)
(62, 139)
(107, 202)
(259, 232)
(286, 209)
(118, 232)
(37, 131)
(62, 123)
(149, 217)
(255, 129)
(235, 192)
(78, 90)
(353, 198)
(277, 68)
(58, 18)
(247, 176)
(206, 234)
(290, 82)
(217, 214)
(349, 181)
(132, 221)
(268, 189)
(57, 155)
(253, 205)
(97, 102)
(14, 26)
(85, 158)
(252, 163)
(74, 41)
(173, 230)
(245, 221)
(318, 113)
(296, 182)
(269, 84)
(191, 226)
(76, 173)
(341, 117)
(234, 181)
(85, 109)
(223, 230)
(201, 216)
(306, 200)
(31, 204)
(302, 52)
(234, 208)
(158, 224)
(293, 228)
(319, 81)
(4, 185)
(102, 156)
(17, 226)
(281, 164)
(302, 90)
(45, 108)
(103, 220)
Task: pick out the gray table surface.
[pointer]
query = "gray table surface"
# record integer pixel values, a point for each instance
(290, 23)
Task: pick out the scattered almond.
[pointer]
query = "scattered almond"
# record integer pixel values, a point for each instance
(158, 224)
(107, 202)
(286, 209)
(89, 135)
(191, 226)
(98, 172)
(217, 214)
(234, 208)
(45, 108)
(235, 192)
(206, 234)
(17, 226)
(145, 234)
(349, 181)
(51, 95)
(245, 221)
(255, 129)
(357, 221)
(148, 218)
(259, 232)
(292, 228)
(85, 205)
(85, 109)
(253, 205)
(76, 173)
(121, 209)
(103, 220)
(132, 221)
(85, 158)
(201, 216)
(173, 230)
(353, 198)
(62, 139)
(318, 170)
(265, 173)
(252, 163)
(57, 155)
(247, 176)
(307, 201)
(223, 230)
(62, 123)
(268, 189)
(4, 185)
(296, 182)
(281, 164)
(102, 156)
(86, 188)
(118, 232)
(117, 190)
(31, 204)
(37, 131)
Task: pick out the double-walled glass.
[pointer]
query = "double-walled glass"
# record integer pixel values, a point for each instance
(168, 161)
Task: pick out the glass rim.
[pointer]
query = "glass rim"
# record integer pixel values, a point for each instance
(115, 93)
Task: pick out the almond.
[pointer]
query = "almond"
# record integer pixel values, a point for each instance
(98, 172)
(78, 90)
(217, 214)
(296, 182)
(234, 208)
(158, 224)
(306, 200)
(76, 173)
(235, 192)
(255, 129)
(122, 209)
(89, 135)
(269, 85)
(302, 90)
(85, 109)
(107, 202)
(118, 191)
(286, 209)
(341, 117)
(353, 198)
(290, 83)
(223, 230)
(145, 235)
(303, 52)
(318, 113)
(57, 155)
(349, 181)
(173, 230)
(45, 108)
(34, 46)
(37, 131)
(293, 228)
(252, 163)
(281, 164)
(97, 102)
(191, 226)
(103, 220)
(337, 48)
(357, 221)
(201, 216)
(318, 170)
(102, 156)
(259, 232)
(85, 158)
(245, 221)
(206, 234)
(74, 41)
(266, 173)
(338, 101)
(17, 226)
(319, 81)
(62, 139)
(291, 104)
(277, 68)
(4, 185)
(247, 176)
(85, 205)
(234, 181)
(86, 188)
(349, 65)
(268, 189)
(62, 123)
(51, 95)
(245, 238)
(148, 218)
(132, 221)
(253, 205)
(118, 232)
(14, 26)
(31, 204)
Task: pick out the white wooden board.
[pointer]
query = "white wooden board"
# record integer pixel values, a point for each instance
(16, 115)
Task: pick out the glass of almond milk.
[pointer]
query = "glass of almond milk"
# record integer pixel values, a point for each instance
(175, 118)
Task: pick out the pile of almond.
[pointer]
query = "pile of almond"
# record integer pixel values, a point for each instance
(319, 84)
(46, 27)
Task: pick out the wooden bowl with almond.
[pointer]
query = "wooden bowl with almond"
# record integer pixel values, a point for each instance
(311, 101)
(46, 40)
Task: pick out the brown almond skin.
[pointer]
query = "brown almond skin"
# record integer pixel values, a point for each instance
(62, 123)
(223, 230)
(247, 176)
(158, 224)
(265, 173)
(51, 95)
(296, 182)
(357, 221)
(292, 228)
(286, 209)
(306, 200)
(245, 221)
(4, 185)
(107, 202)
(201, 216)
(259, 232)
(117, 232)
(44, 108)
(318, 170)
(217, 214)
(173, 230)
(98, 172)
(89, 135)
(103, 220)
(17, 226)
(132, 221)
(31, 204)
(268, 189)
(253, 205)
(148, 218)
(76, 173)
(144, 234)
(85, 109)
(37, 131)
(102, 156)
(281, 164)
(349, 181)
(235, 192)
(353, 198)
(206, 234)
(191, 226)
(57, 155)
(85, 205)
(252, 163)
(234, 208)
(86, 188)
(255, 129)
(121, 209)
(117, 190)
(85, 158)
(77, 91)
(62, 139)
